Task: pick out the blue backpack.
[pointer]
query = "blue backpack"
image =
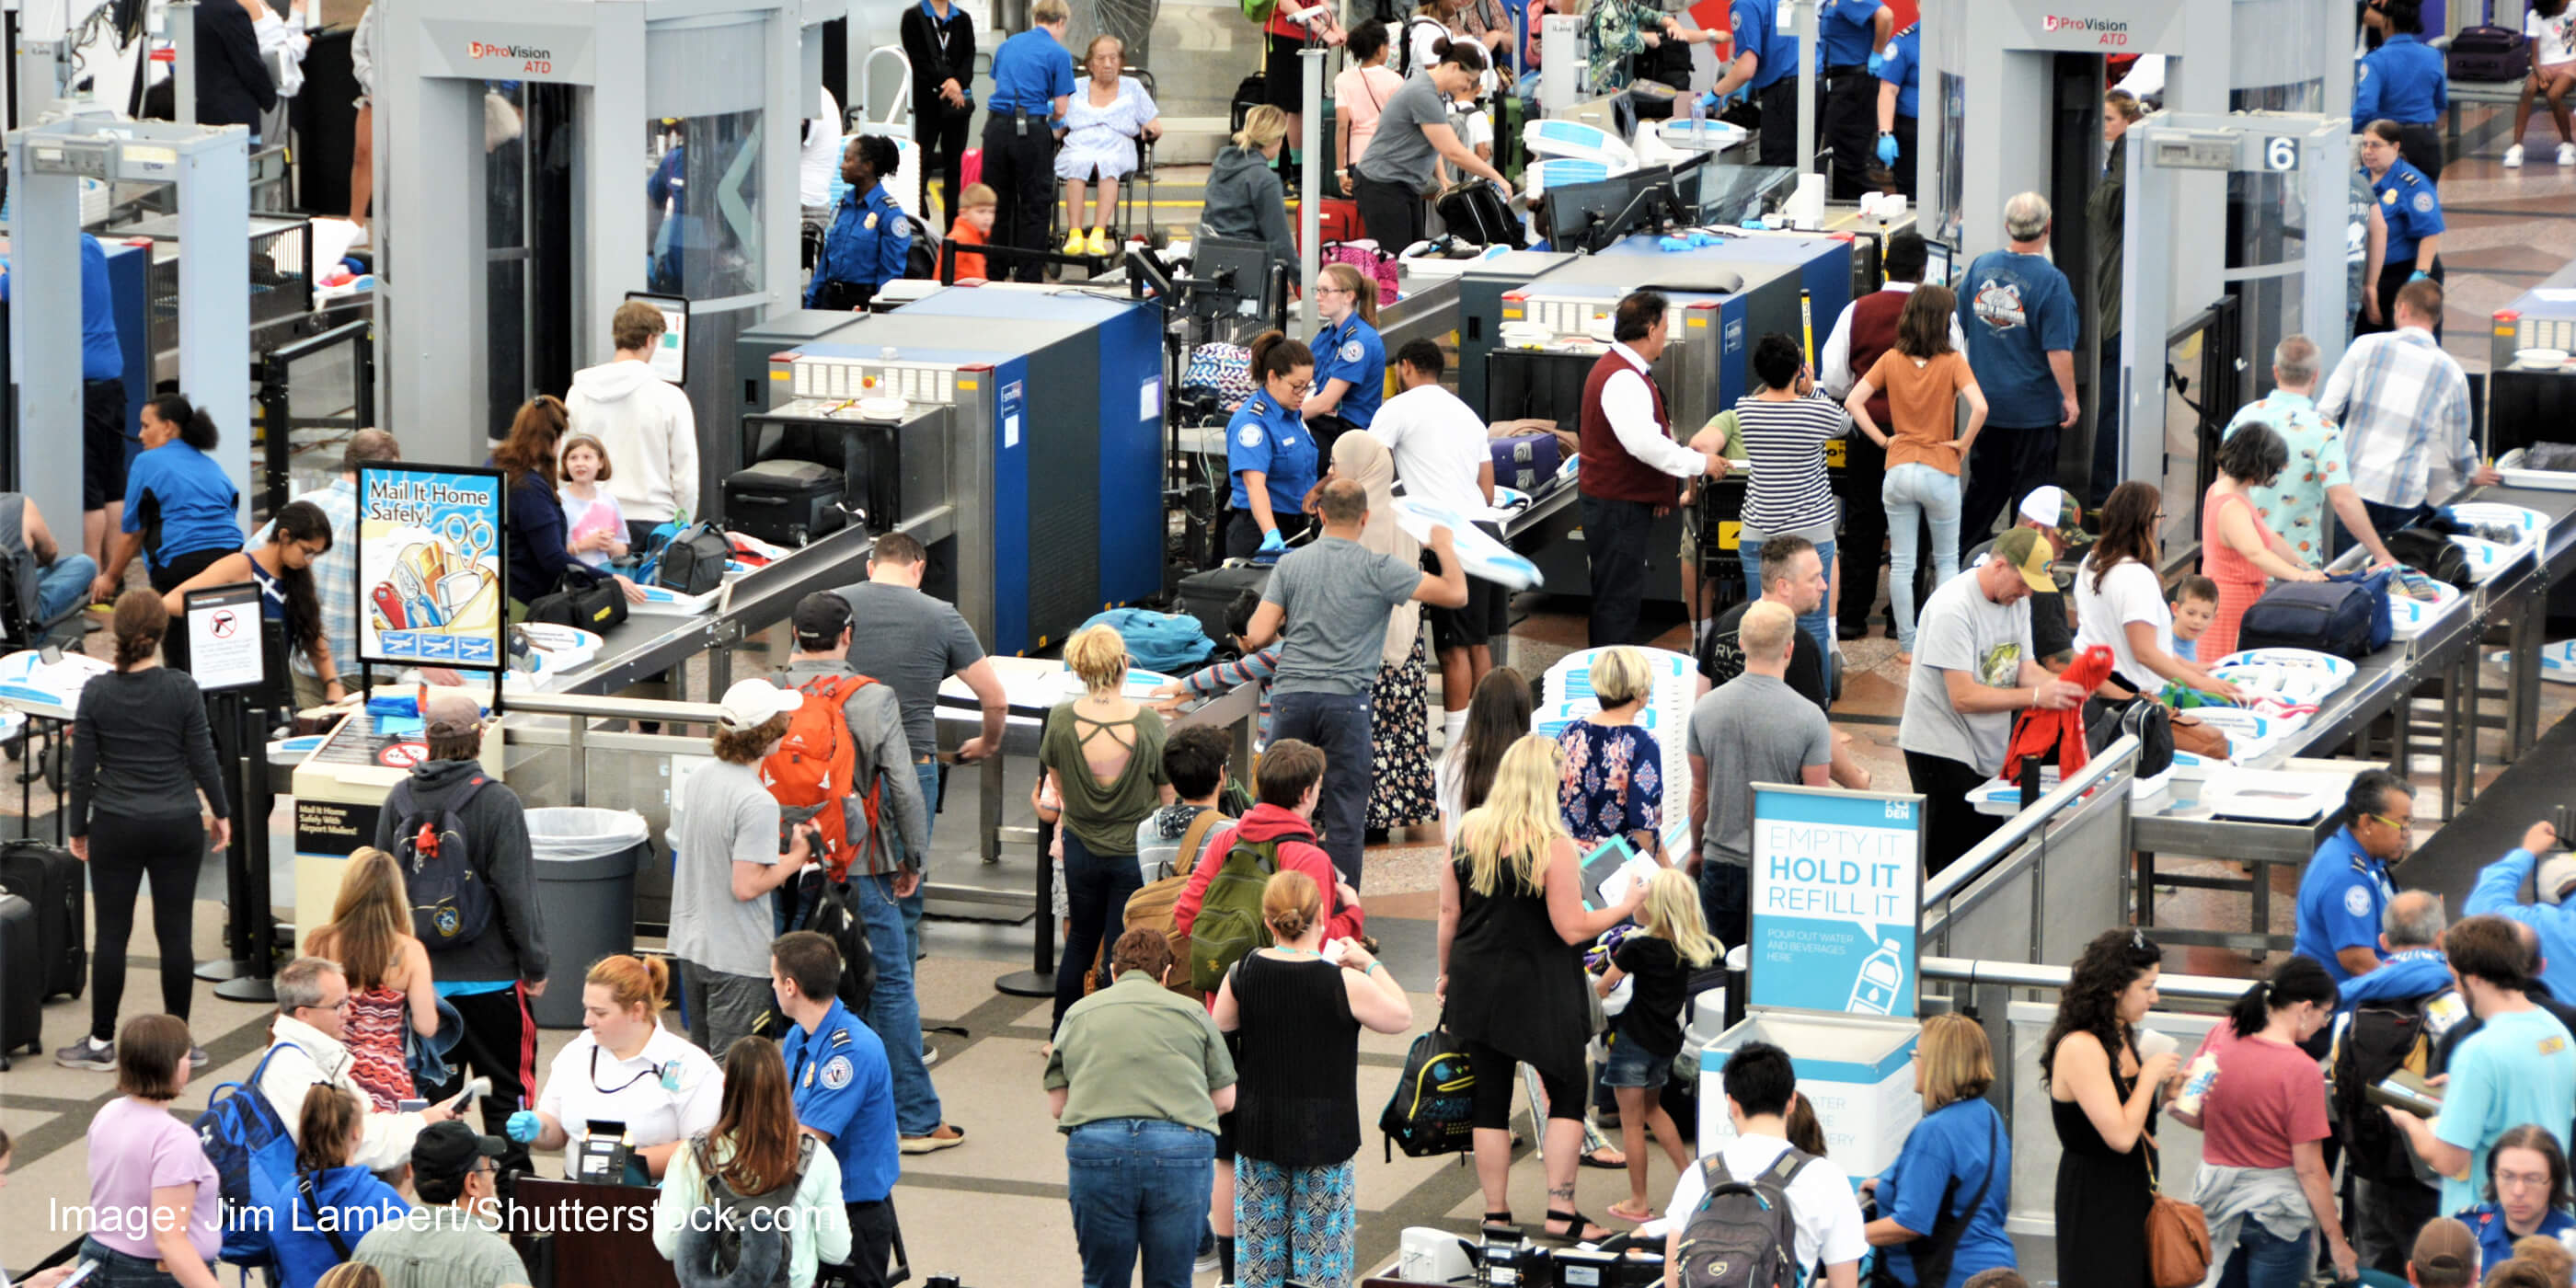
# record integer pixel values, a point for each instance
(1167, 642)
(254, 1162)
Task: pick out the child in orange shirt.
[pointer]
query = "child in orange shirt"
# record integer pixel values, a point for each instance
(974, 227)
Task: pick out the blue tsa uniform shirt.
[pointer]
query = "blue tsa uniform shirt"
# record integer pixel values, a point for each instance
(865, 249)
(101, 358)
(1844, 35)
(1266, 437)
(2410, 207)
(2341, 897)
(1030, 72)
(2402, 80)
(843, 1089)
(1756, 26)
(1903, 68)
(1353, 352)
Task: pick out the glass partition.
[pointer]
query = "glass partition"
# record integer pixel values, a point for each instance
(703, 205)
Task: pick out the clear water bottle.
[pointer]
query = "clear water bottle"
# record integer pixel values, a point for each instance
(1698, 113)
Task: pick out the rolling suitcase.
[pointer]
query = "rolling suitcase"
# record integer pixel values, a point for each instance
(786, 503)
(2486, 52)
(22, 1012)
(50, 879)
(1207, 595)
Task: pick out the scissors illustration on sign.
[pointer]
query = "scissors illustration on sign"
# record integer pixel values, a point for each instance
(471, 538)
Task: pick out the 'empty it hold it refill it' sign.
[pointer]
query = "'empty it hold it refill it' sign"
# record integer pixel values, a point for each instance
(1836, 894)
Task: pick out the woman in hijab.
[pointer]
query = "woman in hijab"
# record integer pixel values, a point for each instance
(1402, 790)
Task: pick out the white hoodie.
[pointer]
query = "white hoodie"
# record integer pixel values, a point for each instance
(650, 433)
(313, 1056)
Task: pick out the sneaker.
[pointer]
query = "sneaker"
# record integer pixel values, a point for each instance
(1099, 241)
(88, 1053)
(197, 1058)
(2513, 157)
(2567, 154)
(1074, 243)
(1207, 1261)
(929, 1055)
(948, 1136)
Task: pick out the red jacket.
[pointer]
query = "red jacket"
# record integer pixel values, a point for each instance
(1297, 853)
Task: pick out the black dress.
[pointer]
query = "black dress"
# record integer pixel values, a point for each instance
(2103, 1195)
(1514, 984)
(1298, 1102)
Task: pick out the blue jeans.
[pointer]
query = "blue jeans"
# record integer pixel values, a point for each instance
(2262, 1260)
(1912, 493)
(1096, 887)
(124, 1270)
(1338, 725)
(1138, 1185)
(893, 1010)
(1818, 625)
(65, 585)
(1725, 899)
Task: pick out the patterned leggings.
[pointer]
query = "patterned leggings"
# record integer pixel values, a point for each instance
(1294, 1223)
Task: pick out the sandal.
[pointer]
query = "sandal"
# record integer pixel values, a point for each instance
(1578, 1228)
(1639, 1216)
(1499, 1225)
(1614, 1160)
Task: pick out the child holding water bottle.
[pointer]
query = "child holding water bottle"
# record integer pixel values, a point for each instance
(595, 527)
(1672, 941)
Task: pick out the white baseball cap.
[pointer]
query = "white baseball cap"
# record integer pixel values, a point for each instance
(2045, 506)
(749, 704)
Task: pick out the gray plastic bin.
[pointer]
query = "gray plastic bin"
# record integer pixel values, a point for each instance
(585, 876)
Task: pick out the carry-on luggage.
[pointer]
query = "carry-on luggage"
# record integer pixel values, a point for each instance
(22, 1012)
(1526, 461)
(1207, 595)
(787, 503)
(2487, 52)
(1248, 94)
(1476, 211)
(51, 879)
(2346, 616)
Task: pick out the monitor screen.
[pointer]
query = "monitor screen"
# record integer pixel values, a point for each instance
(1239, 271)
(1728, 195)
(1937, 262)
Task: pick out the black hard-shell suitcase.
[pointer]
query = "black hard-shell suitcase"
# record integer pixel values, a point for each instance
(22, 1012)
(1475, 211)
(787, 503)
(50, 879)
(1207, 595)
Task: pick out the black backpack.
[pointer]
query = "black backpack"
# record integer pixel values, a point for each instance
(2432, 554)
(451, 902)
(1400, 35)
(835, 920)
(1744, 1234)
(1434, 1104)
(2382, 1037)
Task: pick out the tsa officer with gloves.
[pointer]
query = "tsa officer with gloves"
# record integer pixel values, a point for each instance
(624, 1068)
(1269, 451)
(1851, 47)
(843, 1092)
(1898, 100)
(2346, 887)
(2499, 889)
(1032, 88)
(2413, 212)
(2405, 81)
(1765, 67)
(870, 235)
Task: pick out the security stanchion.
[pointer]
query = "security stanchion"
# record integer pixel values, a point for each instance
(1039, 979)
(246, 859)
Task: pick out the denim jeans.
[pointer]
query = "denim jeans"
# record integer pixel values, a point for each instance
(1138, 1185)
(894, 1009)
(1096, 887)
(1915, 492)
(1725, 899)
(123, 1269)
(1819, 625)
(2262, 1260)
(1338, 725)
(64, 585)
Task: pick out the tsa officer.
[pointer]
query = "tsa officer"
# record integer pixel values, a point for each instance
(2346, 886)
(2413, 212)
(1269, 451)
(843, 1092)
(1851, 47)
(1350, 358)
(1766, 66)
(1898, 74)
(2404, 80)
(624, 1068)
(870, 236)
(1032, 87)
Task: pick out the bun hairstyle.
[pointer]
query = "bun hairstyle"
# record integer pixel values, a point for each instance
(140, 622)
(880, 153)
(630, 980)
(1274, 354)
(1291, 905)
(196, 427)
(1460, 53)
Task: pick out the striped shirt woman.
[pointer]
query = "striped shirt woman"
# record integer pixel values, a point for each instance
(1784, 428)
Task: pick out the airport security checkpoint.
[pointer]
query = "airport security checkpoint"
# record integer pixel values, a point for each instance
(1893, 641)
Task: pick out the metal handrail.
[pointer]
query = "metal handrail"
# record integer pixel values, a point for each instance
(1972, 972)
(1988, 853)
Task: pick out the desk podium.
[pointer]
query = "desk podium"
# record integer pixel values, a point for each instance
(600, 1249)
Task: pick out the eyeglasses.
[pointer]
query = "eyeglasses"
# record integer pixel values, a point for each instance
(2393, 824)
(1334, 290)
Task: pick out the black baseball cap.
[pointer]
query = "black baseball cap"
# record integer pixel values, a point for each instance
(447, 1150)
(820, 619)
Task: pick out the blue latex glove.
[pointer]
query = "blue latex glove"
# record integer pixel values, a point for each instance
(1705, 239)
(1671, 245)
(523, 1126)
(1877, 63)
(1713, 102)
(2419, 276)
(1272, 543)
(1887, 149)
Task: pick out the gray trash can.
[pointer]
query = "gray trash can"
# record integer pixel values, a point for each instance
(585, 878)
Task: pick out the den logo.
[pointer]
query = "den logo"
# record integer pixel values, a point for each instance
(531, 60)
(2112, 31)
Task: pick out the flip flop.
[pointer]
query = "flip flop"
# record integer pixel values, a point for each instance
(1621, 1212)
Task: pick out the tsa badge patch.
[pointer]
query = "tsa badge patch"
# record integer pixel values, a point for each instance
(836, 1073)
(2423, 203)
(1250, 436)
(1351, 351)
(2357, 901)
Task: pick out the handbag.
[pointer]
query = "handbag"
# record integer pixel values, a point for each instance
(2177, 1235)
(582, 599)
(2198, 737)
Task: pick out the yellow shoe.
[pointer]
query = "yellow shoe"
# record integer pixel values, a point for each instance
(1100, 241)
(1073, 243)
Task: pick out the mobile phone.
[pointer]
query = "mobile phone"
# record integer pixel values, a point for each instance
(79, 1273)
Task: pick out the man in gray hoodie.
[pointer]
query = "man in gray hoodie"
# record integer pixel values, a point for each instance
(643, 421)
(487, 975)
(881, 875)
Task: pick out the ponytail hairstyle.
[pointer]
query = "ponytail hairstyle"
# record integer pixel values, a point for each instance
(2295, 980)
(531, 447)
(1362, 286)
(1262, 127)
(196, 427)
(140, 621)
(301, 521)
(329, 1117)
(1274, 354)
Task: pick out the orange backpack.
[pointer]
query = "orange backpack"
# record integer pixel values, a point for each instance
(812, 771)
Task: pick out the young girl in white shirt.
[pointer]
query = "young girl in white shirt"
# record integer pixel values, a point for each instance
(595, 528)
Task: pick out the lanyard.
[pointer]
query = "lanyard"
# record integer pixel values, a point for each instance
(651, 1070)
(938, 29)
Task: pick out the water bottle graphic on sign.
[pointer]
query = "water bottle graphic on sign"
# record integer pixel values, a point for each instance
(1874, 989)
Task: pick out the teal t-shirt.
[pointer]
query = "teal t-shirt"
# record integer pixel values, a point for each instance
(2519, 1068)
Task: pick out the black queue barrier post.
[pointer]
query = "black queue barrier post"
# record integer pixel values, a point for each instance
(241, 959)
(1039, 979)
(254, 919)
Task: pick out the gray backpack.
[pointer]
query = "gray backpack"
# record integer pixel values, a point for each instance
(1743, 1234)
(722, 1246)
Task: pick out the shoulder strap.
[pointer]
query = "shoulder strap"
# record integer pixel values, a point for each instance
(1786, 1167)
(1195, 839)
(330, 1229)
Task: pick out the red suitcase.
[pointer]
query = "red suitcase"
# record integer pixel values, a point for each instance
(1337, 219)
(970, 168)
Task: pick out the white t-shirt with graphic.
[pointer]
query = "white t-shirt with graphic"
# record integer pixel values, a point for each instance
(2553, 40)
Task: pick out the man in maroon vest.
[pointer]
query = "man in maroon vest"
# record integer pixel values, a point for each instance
(1631, 466)
(1866, 329)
